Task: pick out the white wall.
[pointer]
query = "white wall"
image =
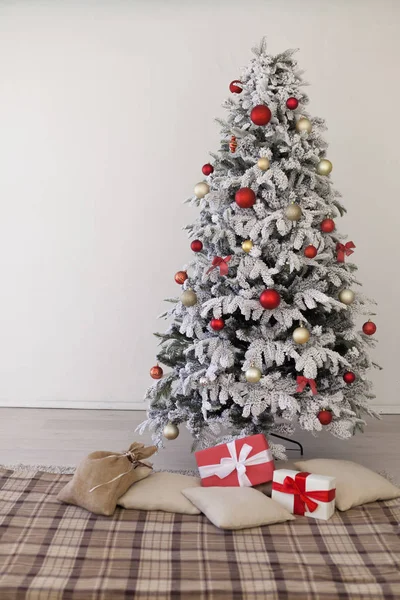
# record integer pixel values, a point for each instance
(106, 117)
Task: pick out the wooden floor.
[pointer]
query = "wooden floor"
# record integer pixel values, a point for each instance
(63, 437)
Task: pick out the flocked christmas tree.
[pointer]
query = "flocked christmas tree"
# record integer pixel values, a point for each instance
(264, 336)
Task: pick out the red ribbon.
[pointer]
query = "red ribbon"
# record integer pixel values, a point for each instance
(302, 499)
(303, 381)
(222, 263)
(344, 250)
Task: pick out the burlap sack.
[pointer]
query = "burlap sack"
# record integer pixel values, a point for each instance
(103, 477)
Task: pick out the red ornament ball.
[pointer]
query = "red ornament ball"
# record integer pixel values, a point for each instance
(270, 299)
(260, 115)
(197, 245)
(207, 169)
(156, 372)
(349, 377)
(292, 103)
(217, 324)
(235, 89)
(245, 197)
(328, 225)
(180, 277)
(369, 328)
(310, 251)
(325, 417)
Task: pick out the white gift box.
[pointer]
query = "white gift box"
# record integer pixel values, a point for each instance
(304, 493)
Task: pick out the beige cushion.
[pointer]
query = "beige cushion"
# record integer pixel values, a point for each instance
(266, 488)
(237, 507)
(161, 491)
(355, 484)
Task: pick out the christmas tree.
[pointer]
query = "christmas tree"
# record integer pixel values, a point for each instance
(264, 336)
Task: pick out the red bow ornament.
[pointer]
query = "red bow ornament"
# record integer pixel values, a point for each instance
(220, 262)
(233, 144)
(303, 500)
(303, 381)
(343, 250)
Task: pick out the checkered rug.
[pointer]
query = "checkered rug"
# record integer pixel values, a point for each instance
(51, 551)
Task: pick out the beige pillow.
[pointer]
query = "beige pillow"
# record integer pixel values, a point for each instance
(355, 484)
(266, 488)
(161, 491)
(237, 507)
(103, 477)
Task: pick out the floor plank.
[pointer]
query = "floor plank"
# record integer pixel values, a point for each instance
(65, 436)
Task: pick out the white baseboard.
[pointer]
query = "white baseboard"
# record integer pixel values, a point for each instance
(383, 409)
(100, 405)
(387, 409)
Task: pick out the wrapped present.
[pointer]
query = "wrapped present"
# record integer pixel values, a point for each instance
(244, 462)
(304, 493)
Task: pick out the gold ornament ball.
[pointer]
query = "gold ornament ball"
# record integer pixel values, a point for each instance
(347, 296)
(293, 212)
(253, 375)
(263, 163)
(247, 245)
(171, 431)
(189, 298)
(201, 189)
(324, 167)
(301, 335)
(303, 124)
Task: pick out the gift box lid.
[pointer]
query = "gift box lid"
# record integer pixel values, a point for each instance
(258, 442)
(314, 482)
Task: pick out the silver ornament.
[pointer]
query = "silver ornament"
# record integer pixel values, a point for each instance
(324, 167)
(293, 212)
(303, 124)
(201, 189)
(253, 375)
(171, 431)
(347, 296)
(189, 298)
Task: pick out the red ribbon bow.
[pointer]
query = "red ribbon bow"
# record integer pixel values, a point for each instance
(303, 499)
(344, 250)
(222, 263)
(302, 382)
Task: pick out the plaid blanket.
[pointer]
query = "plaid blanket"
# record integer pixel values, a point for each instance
(50, 551)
